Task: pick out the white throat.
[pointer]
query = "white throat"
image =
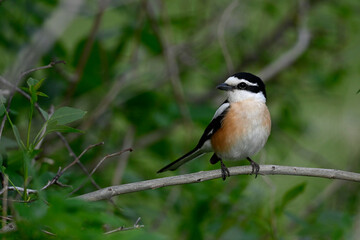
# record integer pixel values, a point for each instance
(242, 95)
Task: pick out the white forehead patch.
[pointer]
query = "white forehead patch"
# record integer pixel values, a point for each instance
(233, 81)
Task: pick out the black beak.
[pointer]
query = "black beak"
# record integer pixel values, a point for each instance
(224, 87)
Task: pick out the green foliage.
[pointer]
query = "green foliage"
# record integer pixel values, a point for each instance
(63, 216)
(66, 115)
(119, 72)
(57, 122)
(289, 196)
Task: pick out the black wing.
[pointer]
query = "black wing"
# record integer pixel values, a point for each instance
(214, 125)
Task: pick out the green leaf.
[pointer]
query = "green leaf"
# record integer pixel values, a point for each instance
(31, 82)
(17, 136)
(358, 91)
(53, 127)
(44, 113)
(25, 89)
(34, 97)
(41, 94)
(38, 84)
(2, 109)
(291, 195)
(66, 115)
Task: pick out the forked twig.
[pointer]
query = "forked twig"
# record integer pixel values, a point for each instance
(61, 172)
(50, 65)
(122, 228)
(99, 163)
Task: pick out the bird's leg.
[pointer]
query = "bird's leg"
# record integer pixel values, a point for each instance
(214, 159)
(255, 167)
(224, 170)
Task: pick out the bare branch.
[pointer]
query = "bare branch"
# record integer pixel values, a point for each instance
(112, 191)
(83, 152)
(136, 226)
(4, 202)
(51, 112)
(289, 57)
(87, 48)
(8, 228)
(109, 156)
(100, 162)
(19, 189)
(169, 55)
(15, 88)
(50, 65)
(61, 172)
(221, 35)
(123, 159)
(48, 233)
(62, 138)
(44, 38)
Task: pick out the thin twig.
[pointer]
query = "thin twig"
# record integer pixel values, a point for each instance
(66, 143)
(48, 233)
(107, 193)
(136, 226)
(44, 38)
(296, 51)
(83, 152)
(61, 172)
(50, 65)
(19, 189)
(98, 165)
(8, 228)
(72, 154)
(123, 159)
(227, 14)
(102, 5)
(8, 218)
(109, 156)
(121, 81)
(172, 67)
(4, 202)
(15, 88)
(41, 137)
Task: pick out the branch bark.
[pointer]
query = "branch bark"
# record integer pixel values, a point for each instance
(109, 192)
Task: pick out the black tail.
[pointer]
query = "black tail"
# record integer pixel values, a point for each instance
(196, 152)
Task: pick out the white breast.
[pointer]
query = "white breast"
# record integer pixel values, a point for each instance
(252, 127)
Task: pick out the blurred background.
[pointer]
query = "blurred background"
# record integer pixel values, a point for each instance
(146, 73)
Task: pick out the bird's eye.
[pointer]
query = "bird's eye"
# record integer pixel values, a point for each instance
(241, 85)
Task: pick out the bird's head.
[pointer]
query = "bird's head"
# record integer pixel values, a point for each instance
(243, 86)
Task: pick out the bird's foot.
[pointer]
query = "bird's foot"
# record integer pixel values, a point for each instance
(255, 167)
(224, 171)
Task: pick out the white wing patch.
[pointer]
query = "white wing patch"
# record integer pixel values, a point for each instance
(221, 109)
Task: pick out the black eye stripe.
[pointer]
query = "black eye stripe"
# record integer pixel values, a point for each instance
(250, 88)
(254, 89)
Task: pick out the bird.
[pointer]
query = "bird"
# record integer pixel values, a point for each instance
(239, 128)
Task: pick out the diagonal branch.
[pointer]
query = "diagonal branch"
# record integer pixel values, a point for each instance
(301, 45)
(99, 163)
(221, 34)
(109, 192)
(122, 228)
(76, 160)
(50, 65)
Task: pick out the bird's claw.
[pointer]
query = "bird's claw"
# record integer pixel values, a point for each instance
(255, 167)
(224, 171)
